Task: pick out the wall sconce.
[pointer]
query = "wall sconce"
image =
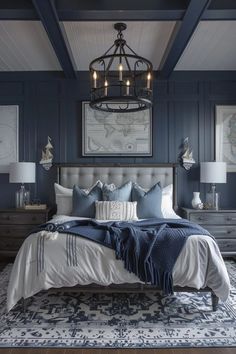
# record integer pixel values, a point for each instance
(186, 156)
(47, 156)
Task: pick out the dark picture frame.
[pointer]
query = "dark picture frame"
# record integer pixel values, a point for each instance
(116, 134)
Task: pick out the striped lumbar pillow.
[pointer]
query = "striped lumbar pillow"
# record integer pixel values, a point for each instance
(115, 210)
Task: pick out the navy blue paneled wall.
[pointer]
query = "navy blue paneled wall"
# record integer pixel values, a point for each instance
(183, 106)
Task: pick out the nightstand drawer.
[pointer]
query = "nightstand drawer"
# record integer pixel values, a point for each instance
(21, 231)
(10, 244)
(22, 218)
(226, 231)
(226, 245)
(16, 225)
(213, 218)
(220, 223)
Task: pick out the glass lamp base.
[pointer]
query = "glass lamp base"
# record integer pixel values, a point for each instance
(22, 197)
(212, 200)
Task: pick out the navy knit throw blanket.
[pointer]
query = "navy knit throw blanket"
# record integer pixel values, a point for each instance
(148, 248)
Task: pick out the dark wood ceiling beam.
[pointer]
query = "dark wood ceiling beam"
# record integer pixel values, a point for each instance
(18, 14)
(121, 4)
(48, 16)
(121, 15)
(107, 10)
(189, 23)
(219, 15)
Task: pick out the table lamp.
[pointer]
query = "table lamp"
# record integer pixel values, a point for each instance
(22, 172)
(213, 172)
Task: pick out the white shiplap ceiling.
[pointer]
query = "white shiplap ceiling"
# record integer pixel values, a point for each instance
(212, 47)
(89, 40)
(24, 46)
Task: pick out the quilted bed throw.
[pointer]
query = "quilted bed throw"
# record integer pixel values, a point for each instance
(148, 248)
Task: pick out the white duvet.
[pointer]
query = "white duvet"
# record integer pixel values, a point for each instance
(43, 265)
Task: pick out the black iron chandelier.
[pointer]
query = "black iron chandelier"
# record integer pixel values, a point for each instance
(121, 80)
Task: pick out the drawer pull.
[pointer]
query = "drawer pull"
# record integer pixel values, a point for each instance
(34, 218)
(200, 218)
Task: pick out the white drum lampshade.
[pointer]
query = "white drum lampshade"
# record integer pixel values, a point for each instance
(213, 172)
(22, 172)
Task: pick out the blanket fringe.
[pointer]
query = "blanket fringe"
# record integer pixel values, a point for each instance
(146, 272)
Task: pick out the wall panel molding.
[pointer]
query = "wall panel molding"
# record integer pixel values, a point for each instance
(50, 105)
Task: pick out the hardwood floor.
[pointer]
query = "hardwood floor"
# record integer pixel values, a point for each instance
(120, 351)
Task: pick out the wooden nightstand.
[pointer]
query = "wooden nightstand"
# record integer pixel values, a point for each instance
(15, 225)
(220, 223)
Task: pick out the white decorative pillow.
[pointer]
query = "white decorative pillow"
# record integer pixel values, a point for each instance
(167, 203)
(115, 210)
(59, 189)
(64, 197)
(64, 204)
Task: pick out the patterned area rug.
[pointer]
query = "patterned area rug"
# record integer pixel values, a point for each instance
(119, 320)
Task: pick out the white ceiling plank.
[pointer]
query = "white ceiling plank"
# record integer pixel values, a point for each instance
(212, 47)
(89, 40)
(24, 46)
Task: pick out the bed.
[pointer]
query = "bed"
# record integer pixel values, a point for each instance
(42, 262)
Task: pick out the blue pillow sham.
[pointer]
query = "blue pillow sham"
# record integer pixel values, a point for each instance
(121, 194)
(148, 202)
(84, 203)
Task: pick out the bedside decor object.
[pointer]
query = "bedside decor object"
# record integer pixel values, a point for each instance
(196, 201)
(35, 206)
(22, 172)
(212, 172)
(47, 156)
(121, 76)
(187, 155)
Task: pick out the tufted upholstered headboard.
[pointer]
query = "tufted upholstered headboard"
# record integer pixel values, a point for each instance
(145, 175)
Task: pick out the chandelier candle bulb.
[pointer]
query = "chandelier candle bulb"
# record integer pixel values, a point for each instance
(120, 72)
(106, 85)
(95, 79)
(127, 87)
(148, 80)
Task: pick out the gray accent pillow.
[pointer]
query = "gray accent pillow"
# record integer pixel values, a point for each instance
(121, 194)
(84, 203)
(148, 202)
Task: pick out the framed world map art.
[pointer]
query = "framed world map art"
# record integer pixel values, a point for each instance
(9, 122)
(116, 134)
(225, 138)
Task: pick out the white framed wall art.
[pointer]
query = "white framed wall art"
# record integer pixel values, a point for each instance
(116, 134)
(9, 136)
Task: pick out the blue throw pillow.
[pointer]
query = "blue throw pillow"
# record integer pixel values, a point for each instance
(121, 194)
(84, 203)
(148, 202)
